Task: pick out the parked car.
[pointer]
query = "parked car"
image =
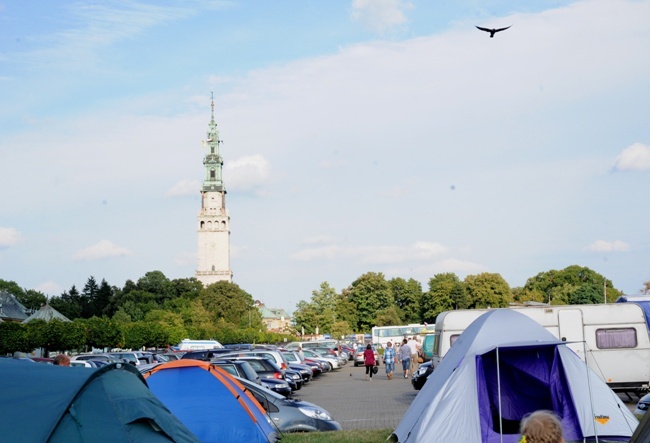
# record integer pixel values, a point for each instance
(84, 363)
(292, 415)
(264, 367)
(421, 375)
(136, 358)
(304, 370)
(239, 368)
(333, 361)
(100, 357)
(205, 354)
(358, 356)
(294, 378)
(642, 406)
(326, 352)
(278, 386)
(273, 355)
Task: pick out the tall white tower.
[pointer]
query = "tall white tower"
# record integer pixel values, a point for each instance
(213, 219)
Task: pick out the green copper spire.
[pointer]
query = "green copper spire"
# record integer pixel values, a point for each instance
(212, 161)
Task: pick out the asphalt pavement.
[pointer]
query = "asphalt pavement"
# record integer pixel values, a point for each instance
(359, 404)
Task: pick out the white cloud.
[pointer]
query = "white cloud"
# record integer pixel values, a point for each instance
(49, 288)
(379, 15)
(103, 249)
(633, 158)
(185, 187)
(381, 254)
(325, 252)
(608, 246)
(9, 237)
(247, 173)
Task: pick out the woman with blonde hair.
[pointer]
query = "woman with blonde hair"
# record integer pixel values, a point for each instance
(541, 427)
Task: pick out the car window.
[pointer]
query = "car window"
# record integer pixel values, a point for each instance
(249, 371)
(229, 369)
(257, 365)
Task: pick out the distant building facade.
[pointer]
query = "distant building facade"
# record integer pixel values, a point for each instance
(213, 220)
(276, 320)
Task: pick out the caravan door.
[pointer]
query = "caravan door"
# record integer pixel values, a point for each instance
(571, 330)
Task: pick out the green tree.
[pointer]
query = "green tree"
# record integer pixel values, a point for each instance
(100, 303)
(32, 300)
(58, 335)
(305, 316)
(171, 322)
(446, 292)
(389, 316)
(370, 293)
(68, 303)
(559, 287)
(487, 290)
(14, 337)
(346, 311)
(189, 288)
(340, 329)
(12, 288)
(155, 282)
(228, 302)
(88, 296)
(103, 333)
(407, 296)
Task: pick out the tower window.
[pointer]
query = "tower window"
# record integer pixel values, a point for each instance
(212, 174)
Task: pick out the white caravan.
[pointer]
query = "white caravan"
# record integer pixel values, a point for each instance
(613, 337)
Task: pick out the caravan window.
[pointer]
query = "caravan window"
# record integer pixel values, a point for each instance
(616, 338)
(453, 339)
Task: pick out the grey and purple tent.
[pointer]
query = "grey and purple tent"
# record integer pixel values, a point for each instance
(503, 367)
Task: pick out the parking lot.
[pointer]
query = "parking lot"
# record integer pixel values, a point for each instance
(359, 404)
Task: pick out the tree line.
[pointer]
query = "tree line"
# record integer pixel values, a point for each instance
(372, 300)
(155, 311)
(152, 312)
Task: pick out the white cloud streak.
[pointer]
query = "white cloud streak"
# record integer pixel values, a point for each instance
(380, 15)
(102, 250)
(635, 157)
(9, 237)
(608, 246)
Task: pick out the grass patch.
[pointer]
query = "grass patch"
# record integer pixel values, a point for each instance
(353, 436)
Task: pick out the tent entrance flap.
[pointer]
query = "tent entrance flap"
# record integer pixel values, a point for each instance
(531, 378)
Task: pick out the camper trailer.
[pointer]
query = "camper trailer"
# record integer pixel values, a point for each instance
(612, 338)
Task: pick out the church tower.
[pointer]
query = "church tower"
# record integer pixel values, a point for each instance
(213, 219)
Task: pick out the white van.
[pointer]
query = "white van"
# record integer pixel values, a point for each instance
(198, 345)
(612, 338)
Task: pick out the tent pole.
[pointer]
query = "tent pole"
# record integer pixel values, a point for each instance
(591, 395)
(499, 397)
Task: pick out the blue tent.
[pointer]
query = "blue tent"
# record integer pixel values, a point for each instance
(66, 404)
(502, 367)
(210, 402)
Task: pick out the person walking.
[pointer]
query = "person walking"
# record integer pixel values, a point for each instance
(413, 346)
(389, 360)
(405, 357)
(369, 360)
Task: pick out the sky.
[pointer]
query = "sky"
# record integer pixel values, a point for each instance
(358, 136)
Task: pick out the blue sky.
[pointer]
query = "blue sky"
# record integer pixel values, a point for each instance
(388, 136)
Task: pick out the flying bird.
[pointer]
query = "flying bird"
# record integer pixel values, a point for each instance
(493, 31)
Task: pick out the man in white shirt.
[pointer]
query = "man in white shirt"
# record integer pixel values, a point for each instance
(415, 347)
